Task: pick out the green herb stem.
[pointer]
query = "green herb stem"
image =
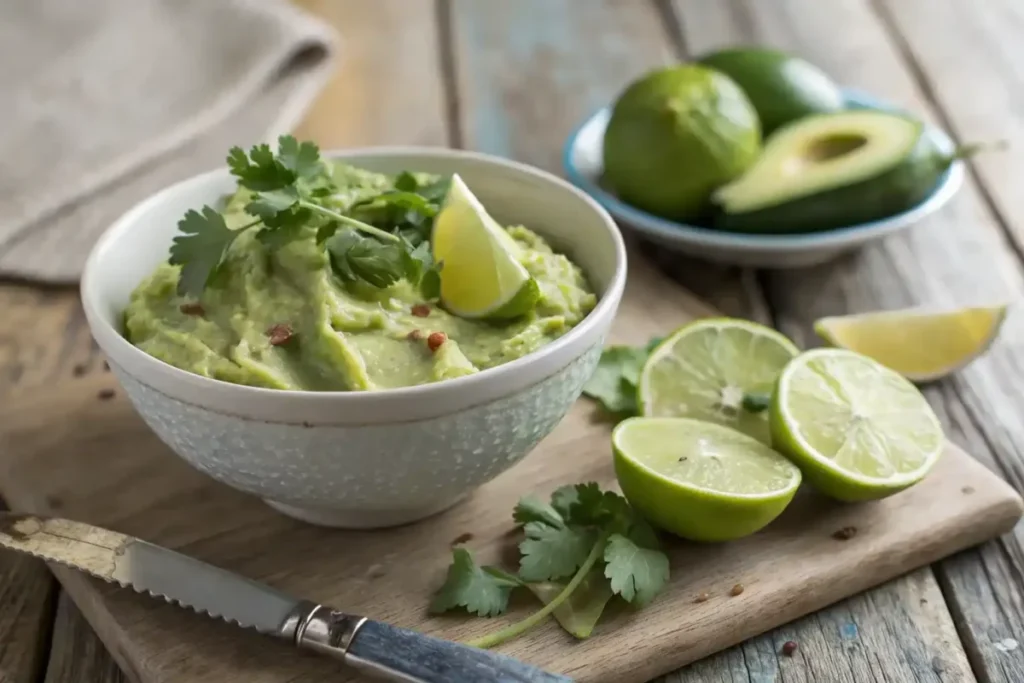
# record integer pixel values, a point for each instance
(526, 624)
(351, 222)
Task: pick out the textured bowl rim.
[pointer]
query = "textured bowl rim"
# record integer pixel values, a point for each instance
(146, 368)
(668, 231)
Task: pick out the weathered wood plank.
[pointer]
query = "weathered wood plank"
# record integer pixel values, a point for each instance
(384, 91)
(77, 655)
(44, 338)
(527, 74)
(959, 256)
(971, 68)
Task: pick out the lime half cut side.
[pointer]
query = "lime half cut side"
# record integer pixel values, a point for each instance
(857, 429)
(700, 480)
(713, 370)
(481, 276)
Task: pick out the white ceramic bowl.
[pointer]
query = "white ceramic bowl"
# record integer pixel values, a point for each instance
(363, 459)
(582, 160)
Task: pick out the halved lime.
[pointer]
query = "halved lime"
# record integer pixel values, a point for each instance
(718, 370)
(481, 276)
(857, 429)
(700, 480)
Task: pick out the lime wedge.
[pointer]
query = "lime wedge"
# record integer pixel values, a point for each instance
(920, 345)
(700, 480)
(857, 429)
(481, 276)
(718, 370)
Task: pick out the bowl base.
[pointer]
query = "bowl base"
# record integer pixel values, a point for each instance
(362, 519)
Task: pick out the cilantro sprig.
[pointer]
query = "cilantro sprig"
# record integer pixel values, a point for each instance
(291, 190)
(585, 540)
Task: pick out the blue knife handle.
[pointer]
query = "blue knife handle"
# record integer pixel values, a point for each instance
(398, 654)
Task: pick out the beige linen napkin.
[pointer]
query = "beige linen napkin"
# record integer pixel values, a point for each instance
(104, 101)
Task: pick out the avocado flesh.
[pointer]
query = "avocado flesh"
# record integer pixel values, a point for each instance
(830, 171)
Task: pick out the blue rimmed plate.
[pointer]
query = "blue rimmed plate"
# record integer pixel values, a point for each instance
(582, 160)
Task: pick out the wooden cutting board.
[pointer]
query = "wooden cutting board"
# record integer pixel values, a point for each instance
(77, 452)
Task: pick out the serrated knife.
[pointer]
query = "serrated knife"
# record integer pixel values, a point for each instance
(373, 647)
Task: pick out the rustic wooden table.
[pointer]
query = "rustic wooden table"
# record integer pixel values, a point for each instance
(512, 78)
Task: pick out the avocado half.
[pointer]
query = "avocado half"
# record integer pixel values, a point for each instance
(676, 134)
(782, 87)
(830, 171)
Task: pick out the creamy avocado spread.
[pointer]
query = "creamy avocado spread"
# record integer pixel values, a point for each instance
(280, 314)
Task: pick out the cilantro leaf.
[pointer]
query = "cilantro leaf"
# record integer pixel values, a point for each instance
(580, 613)
(200, 248)
(277, 237)
(436, 191)
(406, 182)
(550, 552)
(420, 269)
(430, 283)
(614, 380)
(303, 159)
(564, 498)
(259, 170)
(481, 590)
(529, 509)
(268, 204)
(636, 573)
(587, 505)
(326, 231)
(356, 257)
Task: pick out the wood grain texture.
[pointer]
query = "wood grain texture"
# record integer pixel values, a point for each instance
(43, 339)
(101, 464)
(77, 655)
(385, 89)
(958, 256)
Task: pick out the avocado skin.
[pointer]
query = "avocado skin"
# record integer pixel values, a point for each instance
(782, 88)
(894, 191)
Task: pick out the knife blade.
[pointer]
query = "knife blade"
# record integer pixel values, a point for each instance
(374, 647)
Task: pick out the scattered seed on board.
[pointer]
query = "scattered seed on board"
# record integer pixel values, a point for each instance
(845, 534)
(788, 648)
(105, 394)
(736, 590)
(703, 597)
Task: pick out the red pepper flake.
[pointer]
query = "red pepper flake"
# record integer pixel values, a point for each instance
(192, 308)
(415, 335)
(280, 334)
(736, 590)
(703, 597)
(788, 648)
(845, 534)
(462, 538)
(421, 310)
(435, 340)
(106, 394)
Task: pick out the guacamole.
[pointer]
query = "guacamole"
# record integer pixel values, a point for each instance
(279, 316)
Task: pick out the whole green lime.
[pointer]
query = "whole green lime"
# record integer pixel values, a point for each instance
(782, 87)
(675, 135)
